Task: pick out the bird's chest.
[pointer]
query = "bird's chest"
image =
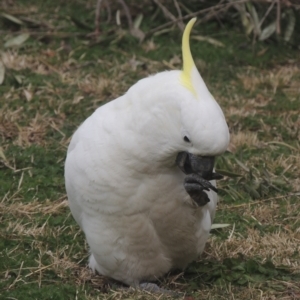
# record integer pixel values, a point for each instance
(174, 219)
(176, 228)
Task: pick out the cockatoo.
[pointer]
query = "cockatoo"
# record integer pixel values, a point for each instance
(140, 174)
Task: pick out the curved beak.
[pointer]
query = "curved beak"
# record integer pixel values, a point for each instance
(201, 165)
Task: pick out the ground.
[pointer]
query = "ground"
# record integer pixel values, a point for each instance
(59, 74)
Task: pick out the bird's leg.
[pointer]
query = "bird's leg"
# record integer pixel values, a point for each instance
(155, 289)
(149, 287)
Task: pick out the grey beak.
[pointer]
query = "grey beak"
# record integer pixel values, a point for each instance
(201, 165)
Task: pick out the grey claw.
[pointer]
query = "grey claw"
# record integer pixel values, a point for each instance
(195, 186)
(196, 193)
(192, 187)
(197, 179)
(216, 176)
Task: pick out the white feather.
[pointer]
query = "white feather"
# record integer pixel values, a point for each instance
(124, 188)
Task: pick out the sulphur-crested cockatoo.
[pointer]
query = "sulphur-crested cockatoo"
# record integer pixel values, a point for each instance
(139, 174)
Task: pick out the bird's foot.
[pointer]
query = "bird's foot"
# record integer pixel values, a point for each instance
(195, 185)
(149, 287)
(155, 289)
(194, 180)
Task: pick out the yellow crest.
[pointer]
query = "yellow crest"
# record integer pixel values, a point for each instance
(188, 62)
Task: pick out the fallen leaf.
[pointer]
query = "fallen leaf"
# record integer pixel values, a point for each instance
(242, 165)
(138, 20)
(12, 19)
(149, 46)
(2, 155)
(77, 99)
(262, 52)
(17, 41)
(208, 40)
(267, 31)
(290, 26)
(28, 95)
(118, 18)
(217, 226)
(19, 78)
(2, 72)
(137, 33)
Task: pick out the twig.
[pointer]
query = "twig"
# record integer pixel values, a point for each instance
(278, 18)
(5, 198)
(283, 144)
(214, 13)
(18, 277)
(260, 201)
(169, 15)
(40, 269)
(127, 13)
(21, 180)
(267, 13)
(194, 14)
(177, 8)
(108, 12)
(232, 232)
(97, 17)
(45, 33)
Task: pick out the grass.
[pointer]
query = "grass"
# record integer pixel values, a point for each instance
(54, 81)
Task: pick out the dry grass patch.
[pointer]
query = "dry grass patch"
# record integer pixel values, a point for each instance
(16, 61)
(279, 247)
(239, 111)
(32, 132)
(243, 138)
(280, 244)
(291, 121)
(281, 77)
(103, 88)
(23, 218)
(288, 163)
(16, 207)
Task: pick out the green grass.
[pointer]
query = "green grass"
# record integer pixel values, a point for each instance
(53, 83)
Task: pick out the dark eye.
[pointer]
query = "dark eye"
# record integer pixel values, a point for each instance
(186, 139)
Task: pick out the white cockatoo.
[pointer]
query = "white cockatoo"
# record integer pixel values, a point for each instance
(139, 174)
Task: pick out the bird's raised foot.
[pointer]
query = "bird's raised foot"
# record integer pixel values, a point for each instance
(195, 181)
(195, 185)
(199, 197)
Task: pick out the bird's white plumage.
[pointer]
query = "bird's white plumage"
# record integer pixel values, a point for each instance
(124, 188)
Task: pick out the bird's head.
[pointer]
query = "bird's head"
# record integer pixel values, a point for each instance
(205, 132)
(177, 114)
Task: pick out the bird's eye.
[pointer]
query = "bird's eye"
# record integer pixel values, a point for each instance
(186, 139)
